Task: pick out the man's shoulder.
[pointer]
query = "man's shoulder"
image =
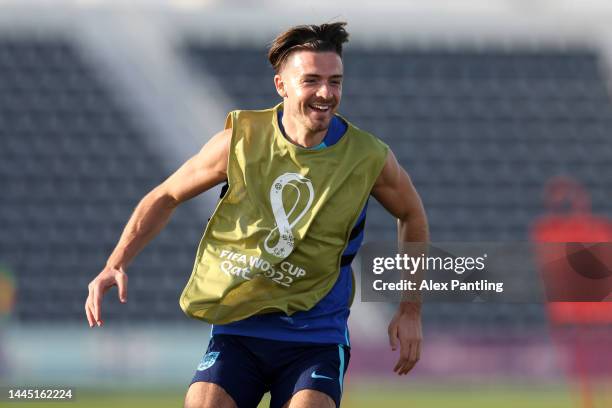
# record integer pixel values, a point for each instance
(366, 137)
(250, 117)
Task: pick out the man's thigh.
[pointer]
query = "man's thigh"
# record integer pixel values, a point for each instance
(313, 378)
(228, 370)
(310, 399)
(208, 395)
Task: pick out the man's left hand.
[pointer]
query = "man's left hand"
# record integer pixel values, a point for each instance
(405, 329)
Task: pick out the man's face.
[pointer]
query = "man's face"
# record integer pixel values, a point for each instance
(311, 85)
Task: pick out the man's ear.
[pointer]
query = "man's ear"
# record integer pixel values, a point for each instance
(280, 86)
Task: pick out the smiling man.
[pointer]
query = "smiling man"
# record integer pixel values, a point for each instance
(272, 272)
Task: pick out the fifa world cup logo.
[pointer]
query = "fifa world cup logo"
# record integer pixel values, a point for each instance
(285, 244)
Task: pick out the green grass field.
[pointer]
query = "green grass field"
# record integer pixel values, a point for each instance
(360, 395)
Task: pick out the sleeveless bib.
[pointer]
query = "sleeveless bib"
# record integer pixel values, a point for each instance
(275, 240)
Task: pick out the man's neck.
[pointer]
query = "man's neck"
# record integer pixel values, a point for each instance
(301, 136)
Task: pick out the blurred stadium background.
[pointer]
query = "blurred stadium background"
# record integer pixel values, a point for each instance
(482, 101)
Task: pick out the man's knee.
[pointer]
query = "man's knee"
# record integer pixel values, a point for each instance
(310, 399)
(208, 395)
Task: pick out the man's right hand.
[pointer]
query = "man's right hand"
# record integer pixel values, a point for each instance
(105, 280)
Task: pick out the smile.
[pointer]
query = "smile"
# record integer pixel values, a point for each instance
(320, 108)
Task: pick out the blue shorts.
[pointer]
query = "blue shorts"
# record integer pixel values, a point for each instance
(247, 367)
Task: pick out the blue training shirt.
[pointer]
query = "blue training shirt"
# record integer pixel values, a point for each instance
(326, 322)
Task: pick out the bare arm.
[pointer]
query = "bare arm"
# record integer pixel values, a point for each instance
(395, 191)
(198, 174)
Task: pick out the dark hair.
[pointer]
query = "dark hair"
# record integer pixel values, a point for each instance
(324, 37)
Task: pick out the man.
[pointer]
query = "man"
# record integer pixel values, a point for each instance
(272, 272)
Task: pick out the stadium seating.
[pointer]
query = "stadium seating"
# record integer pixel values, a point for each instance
(463, 122)
(73, 165)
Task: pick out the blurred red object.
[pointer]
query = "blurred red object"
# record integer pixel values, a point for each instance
(570, 219)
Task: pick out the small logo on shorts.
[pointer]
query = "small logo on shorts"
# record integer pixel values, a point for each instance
(208, 360)
(315, 376)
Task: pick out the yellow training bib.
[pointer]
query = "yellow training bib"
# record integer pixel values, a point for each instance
(275, 239)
